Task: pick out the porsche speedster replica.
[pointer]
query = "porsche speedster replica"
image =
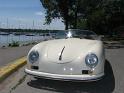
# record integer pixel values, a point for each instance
(71, 55)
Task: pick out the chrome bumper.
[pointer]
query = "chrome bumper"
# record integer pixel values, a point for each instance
(65, 77)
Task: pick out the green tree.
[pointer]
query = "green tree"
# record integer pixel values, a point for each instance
(115, 12)
(65, 9)
(101, 16)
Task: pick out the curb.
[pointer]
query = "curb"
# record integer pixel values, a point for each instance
(5, 71)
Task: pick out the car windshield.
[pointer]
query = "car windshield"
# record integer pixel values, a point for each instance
(82, 34)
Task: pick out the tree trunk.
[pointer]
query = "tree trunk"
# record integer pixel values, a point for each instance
(76, 16)
(66, 24)
(66, 19)
(75, 23)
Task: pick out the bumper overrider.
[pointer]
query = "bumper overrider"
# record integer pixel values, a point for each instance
(64, 77)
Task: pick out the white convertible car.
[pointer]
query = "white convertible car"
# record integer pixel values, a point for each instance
(71, 55)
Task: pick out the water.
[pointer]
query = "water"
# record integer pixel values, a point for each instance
(6, 39)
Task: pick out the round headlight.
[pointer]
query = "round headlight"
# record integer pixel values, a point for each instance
(33, 56)
(91, 60)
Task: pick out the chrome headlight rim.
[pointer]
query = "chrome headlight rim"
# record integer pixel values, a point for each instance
(33, 56)
(91, 60)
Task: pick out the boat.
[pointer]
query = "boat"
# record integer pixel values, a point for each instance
(30, 34)
(4, 33)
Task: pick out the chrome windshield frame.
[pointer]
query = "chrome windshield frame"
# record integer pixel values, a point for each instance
(86, 34)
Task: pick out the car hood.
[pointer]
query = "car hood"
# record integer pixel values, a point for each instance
(67, 50)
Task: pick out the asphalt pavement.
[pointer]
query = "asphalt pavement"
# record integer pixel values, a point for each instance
(113, 82)
(10, 54)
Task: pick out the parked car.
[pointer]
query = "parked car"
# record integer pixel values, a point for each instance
(72, 55)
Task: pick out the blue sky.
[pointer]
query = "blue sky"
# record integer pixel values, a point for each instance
(23, 13)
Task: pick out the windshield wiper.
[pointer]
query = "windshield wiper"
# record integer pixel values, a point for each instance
(60, 57)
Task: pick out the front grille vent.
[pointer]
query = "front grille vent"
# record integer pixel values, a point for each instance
(35, 67)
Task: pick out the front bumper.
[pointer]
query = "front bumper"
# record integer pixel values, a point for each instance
(65, 77)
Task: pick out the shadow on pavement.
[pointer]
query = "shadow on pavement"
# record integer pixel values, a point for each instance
(105, 85)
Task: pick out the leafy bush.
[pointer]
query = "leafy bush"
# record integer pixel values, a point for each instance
(14, 44)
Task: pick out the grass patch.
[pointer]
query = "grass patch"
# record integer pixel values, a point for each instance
(14, 44)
